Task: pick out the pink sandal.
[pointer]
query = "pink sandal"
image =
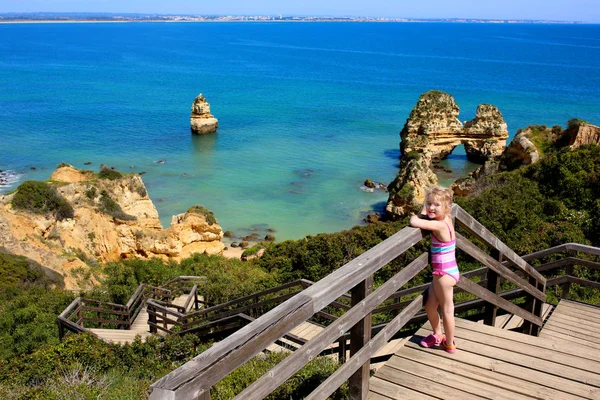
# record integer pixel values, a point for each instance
(450, 348)
(431, 341)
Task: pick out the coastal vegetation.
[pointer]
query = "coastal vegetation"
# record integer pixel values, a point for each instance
(553, 201)
(110, 207)
(205, 212)
(42, 198)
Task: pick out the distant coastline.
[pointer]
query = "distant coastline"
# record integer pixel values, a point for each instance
(108, 17)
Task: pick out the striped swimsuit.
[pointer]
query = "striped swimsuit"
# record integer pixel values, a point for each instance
(443, 259)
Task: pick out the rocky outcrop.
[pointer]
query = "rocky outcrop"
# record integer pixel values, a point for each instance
(583, 134)
(521, 151)
(527, 147)
(113, 219)
(201, 120)
(430, 134)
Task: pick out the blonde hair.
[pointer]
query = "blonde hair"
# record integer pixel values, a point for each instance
(441, 194)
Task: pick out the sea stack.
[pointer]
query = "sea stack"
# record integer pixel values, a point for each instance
(201, 120)
(430, 134)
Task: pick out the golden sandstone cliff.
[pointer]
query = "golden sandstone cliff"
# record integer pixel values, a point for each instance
(430, 134)
(109, 217)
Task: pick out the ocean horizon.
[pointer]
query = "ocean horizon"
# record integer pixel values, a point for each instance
(307, 111)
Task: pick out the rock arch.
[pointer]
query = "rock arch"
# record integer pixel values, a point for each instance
(430, 134)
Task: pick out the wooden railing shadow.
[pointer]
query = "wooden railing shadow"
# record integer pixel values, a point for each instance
(196, 377)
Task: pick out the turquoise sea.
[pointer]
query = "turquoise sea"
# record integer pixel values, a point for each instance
(307, 111)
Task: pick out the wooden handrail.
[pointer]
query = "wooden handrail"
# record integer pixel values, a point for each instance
(474, 227)
(191, 296)
(285, 369)
(497, 267)
(246, 298)
(198, 375)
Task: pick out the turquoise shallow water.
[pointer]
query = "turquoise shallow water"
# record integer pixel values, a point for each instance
(306, 111)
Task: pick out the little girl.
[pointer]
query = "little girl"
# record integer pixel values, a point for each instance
(435, 217)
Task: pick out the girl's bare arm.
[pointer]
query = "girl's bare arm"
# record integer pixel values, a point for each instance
(428, 224)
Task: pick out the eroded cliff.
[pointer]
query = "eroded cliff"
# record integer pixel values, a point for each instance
(108, 217)
(430, 134)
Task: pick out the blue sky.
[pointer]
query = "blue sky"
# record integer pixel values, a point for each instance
(563, 10)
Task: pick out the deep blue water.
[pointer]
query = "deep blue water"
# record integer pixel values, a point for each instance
(306, 111)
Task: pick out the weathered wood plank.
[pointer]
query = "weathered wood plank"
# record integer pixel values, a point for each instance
(388, 390)
(556, 345)
(475, 252)
(502, 365)
(580, 305)
(422, 385)
(575, 308)
(548, 367)
(537, 351)
(580, 331)
(194, 377)
(454, 380)
(451, 365)
(583, 248)
(592, 325)
(555, 335)
(488, 296)
(546, 252)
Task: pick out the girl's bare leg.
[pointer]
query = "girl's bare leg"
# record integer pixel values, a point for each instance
(431, 307)
(444, 289)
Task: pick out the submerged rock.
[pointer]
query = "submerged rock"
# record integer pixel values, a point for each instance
(201, 120)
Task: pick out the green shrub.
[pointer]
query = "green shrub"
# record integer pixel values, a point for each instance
(110, 174)
(91, 192)
(296, 387)
(574, 123)
(206, 213)
(112, 208)
(413, 155)
(42, 198)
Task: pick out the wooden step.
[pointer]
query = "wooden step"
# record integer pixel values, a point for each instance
(491, 363)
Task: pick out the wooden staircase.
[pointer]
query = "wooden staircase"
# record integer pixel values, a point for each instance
(139, 327)
(492, 363)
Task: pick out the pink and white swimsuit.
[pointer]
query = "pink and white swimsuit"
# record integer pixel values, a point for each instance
(443, 258)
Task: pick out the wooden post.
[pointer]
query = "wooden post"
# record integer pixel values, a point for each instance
(360, 334)
(535, 307)
(493, 285)
(396, 311)
(566, 287)
(152, 318)
(61, 330)
(342, 350)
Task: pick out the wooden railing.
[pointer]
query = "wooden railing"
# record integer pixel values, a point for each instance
(569, 264)
(84, 312)
(196, 377)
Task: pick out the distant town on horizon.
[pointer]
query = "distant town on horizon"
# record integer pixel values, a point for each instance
(139, 17)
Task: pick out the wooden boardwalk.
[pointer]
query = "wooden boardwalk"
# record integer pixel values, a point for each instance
(491, 363)
(307, 330)
(139, 327)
